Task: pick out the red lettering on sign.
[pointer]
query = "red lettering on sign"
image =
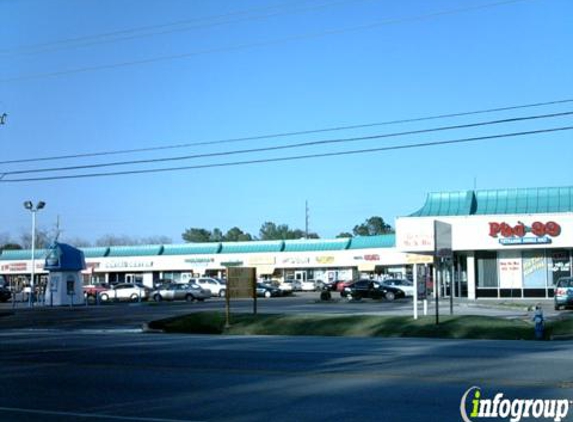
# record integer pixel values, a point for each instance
(538, 228)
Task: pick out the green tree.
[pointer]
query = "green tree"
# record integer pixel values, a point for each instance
(196, 235)
(272, 231)
(217, 235)
(344, 234)
(372, 226)
(235, 234)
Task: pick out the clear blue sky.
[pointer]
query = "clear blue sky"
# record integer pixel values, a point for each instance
(228, 69)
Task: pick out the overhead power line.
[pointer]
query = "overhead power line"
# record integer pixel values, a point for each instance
(166, 28)
(259, 44)
(287, 134)
(292, 158)
(288, 146)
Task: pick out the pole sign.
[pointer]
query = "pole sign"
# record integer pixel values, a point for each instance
(442, 239)
(241, 283)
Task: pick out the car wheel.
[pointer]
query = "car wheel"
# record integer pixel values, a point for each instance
(157, 298)
(104, 297)
(390, 296)
(134, 297)
(268, 294)
(557, 307)
(222, 293)
(91, 299)
(189, 298)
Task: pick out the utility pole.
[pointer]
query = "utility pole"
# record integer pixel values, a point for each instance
(306, 219)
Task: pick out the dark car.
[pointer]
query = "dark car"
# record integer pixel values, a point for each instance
(563, 293)
(371, 289)
(264, 290)
(5, 294)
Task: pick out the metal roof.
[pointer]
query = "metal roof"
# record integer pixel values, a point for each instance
(252, 246)
(22, 254)
(97, 252)
(367, 242)
(192, 249)
(139, 250)
(307, 245)
(497, 201)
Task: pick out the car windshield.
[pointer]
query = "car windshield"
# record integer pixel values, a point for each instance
(565, 282)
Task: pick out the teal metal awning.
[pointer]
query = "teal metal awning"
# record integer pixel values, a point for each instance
(253, 246)
(192, 249)
(308, 245)
(368, 242)
(498, 201)
(22, 254)
(98, 252)
(139, 250)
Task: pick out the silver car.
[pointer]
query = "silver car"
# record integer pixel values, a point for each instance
(188, 291)
(124, 291)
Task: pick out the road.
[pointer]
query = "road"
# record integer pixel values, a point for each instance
(95, 364)
(74, 376)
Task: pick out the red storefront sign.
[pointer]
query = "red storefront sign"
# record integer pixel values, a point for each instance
(538, 229)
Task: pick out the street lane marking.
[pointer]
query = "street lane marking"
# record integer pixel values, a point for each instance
(90, 415)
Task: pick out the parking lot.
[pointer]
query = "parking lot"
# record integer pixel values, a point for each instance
(131, 316)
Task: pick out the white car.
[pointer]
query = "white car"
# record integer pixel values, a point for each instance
(217, 287)
(308, 286)
(406, 286)
(124, 291)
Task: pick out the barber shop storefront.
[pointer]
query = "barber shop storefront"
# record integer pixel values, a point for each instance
(511, 243)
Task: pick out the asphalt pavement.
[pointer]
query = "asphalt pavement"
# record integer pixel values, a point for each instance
(75, 376)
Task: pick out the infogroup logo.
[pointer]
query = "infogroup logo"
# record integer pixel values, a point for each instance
(474, 407)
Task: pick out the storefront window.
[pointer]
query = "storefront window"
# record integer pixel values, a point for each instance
(559, 265)
(534, 269)
(486, 269)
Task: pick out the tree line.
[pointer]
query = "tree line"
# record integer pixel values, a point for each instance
(269, 231)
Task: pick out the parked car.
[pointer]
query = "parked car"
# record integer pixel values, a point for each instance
(5, 294)
(290, 285)
(563, 296)
(178, 291)
(406, 286)
(264, 290)
(216, 286)
(308, 285)
(91, 291)
(371, 289)
(125, 291)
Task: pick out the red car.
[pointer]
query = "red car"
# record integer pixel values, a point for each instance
(91, 291)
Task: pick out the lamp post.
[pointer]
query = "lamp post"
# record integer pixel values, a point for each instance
(30, 206)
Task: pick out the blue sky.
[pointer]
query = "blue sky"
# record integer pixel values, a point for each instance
(215, 70)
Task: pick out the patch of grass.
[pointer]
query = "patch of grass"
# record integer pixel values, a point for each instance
(469, 327)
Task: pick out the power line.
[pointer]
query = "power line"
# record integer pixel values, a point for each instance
(292, 158)
(288, 146)
(261, 43)
(287, 134)
(161, 29)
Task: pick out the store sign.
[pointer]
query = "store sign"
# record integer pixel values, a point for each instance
(367, 257)
(295, 261)
(128, 264)
(325, 260)
(200, 261)
(520, 234)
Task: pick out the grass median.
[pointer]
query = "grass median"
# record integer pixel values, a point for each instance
(458, 327)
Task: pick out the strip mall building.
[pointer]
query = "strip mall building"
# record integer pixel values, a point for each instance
(507, 243)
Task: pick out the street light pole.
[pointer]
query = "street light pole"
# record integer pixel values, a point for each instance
(30, 206)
